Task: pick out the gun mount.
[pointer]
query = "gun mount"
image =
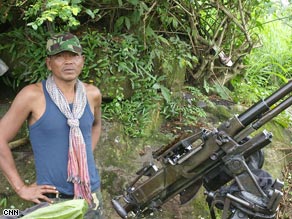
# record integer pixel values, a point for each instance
(226, 161)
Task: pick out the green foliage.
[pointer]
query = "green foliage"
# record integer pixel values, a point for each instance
(27, 52)
(133, 18)
(173, 53)
(112, 60)
(5, 15)
(269, 66)
(284, 119)
(53, 10)
(218, 89)
(133, 113)
(3, 202)
(141, 53)
(184, 106)
(121, 66)
(109, 62)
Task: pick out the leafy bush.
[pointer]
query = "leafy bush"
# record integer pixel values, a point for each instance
(183, 105)
(26, 49)
(268, 67)
(138, 51)
(126, 71)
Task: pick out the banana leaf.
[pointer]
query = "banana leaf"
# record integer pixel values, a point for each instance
(73, 209)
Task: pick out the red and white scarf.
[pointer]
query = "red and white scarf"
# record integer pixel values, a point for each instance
(77, 158)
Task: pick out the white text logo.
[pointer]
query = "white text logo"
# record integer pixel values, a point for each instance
(11, 212)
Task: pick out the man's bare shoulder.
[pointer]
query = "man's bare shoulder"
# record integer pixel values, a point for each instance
(93, 95)
(26, 102)
(30, 92)
(92, 90)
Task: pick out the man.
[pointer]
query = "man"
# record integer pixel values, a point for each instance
(64, 119)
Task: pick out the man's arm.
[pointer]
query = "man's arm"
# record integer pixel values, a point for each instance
(9, 126)
(95, 99)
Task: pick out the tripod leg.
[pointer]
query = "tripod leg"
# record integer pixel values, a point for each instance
(237, 214)
(226, 208)
(212, 212)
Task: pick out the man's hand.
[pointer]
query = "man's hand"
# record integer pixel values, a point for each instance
(35, 193)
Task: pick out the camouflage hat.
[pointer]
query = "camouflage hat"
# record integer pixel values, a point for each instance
(63, 42)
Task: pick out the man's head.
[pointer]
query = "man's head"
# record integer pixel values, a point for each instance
(63, 42)
(64, 59)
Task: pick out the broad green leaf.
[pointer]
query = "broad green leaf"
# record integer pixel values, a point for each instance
(75, 10)
(127, 23)
(90, 13)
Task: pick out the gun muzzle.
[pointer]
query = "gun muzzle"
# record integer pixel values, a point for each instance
(119, 209)
(264, 105)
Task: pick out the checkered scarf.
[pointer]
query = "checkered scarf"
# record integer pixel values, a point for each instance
(77, 158)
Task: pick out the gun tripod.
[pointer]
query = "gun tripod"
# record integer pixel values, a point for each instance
(242, 200)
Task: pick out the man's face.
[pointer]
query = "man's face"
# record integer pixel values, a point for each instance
(65, 65)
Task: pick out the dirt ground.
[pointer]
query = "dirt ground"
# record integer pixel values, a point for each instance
(285, 210)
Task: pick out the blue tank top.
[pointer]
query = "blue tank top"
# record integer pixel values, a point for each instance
(49, 137)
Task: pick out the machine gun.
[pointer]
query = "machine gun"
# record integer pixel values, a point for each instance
(226, 161)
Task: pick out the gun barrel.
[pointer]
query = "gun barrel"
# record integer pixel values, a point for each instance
(272, 113)
(264, 105)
